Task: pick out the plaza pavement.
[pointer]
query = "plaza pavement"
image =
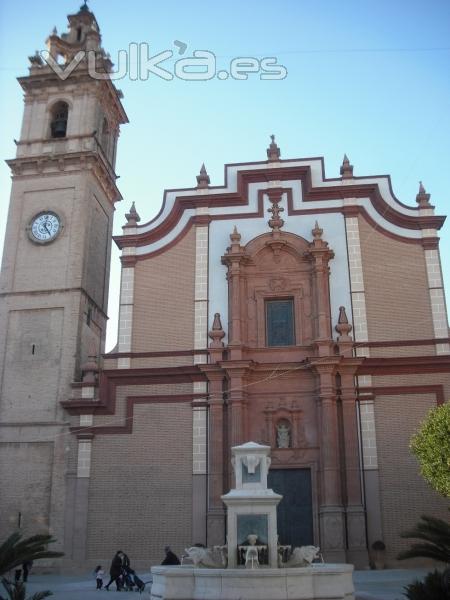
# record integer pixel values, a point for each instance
(369, 585)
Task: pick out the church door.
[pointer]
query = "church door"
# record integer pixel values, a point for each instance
(294, 512)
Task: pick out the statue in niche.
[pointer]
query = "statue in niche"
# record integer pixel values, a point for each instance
(283, 435)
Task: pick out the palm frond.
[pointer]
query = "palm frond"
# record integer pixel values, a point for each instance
(434, 534)
(17, 591)
(15, 550)
(41, 595)
(425, 551)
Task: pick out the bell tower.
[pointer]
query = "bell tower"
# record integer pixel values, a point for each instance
(55, 270)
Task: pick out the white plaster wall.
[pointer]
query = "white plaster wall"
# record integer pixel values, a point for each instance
(317, 181)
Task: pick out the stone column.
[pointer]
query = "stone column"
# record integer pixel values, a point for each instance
(216, 474)
(356, 521)
(233, 258)
(236, 401)
(331, 511)
(355, 513)
(320, 255)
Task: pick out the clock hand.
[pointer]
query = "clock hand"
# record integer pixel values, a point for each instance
(46, 228)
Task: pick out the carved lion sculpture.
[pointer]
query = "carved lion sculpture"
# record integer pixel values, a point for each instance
(302, 557)
(205, 557)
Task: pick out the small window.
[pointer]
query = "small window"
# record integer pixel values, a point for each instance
(280, 322)
(105, 135)
(58, 126)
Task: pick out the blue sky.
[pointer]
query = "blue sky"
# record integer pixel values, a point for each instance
(367, 78)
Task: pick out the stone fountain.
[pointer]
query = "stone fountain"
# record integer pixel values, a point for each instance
(252, 565)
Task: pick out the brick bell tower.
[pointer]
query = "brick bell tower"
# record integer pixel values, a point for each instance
(55, 275)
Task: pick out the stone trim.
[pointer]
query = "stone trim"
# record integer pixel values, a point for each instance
(84, 458)
(437, 299)
(200, 414)
(125, 328)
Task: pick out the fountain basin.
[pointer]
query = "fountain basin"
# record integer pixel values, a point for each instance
(317, 582)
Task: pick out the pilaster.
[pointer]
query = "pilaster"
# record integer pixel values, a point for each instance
(216, 453)
(233, 259)
(331, 509)
(354, 509)
(320, 255)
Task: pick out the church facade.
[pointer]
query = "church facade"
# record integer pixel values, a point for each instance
(286, 308)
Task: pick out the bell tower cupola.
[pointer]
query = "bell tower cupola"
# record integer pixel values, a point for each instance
(69, 96)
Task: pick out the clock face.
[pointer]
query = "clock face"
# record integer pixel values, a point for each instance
(45, 227)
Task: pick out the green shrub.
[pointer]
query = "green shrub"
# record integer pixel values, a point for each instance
(431, 446)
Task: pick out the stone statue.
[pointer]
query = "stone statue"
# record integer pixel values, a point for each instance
(251, 557)
(251, 461)
(302, 557)
(206, 558)
(283, 436)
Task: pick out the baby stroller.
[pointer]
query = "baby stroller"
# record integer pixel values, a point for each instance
(139, 583)
(131, 580)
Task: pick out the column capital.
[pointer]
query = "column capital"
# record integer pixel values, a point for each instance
(237, 368)
(349, 366)
(325, 366)
(213, 372)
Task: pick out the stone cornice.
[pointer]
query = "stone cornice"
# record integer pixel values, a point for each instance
(330, 189)
(27, 166)
(45, 79)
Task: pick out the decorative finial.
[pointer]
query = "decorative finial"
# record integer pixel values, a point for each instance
(346, 168)
(84, 6)
(276, 222)
(203, 180)
(317, 232)
(36, 59)
(235, 237)
(216, 333)
(54, 31)
(422, 198)
(90, 367)
(132, 217)
(343, 327)
(273, 152)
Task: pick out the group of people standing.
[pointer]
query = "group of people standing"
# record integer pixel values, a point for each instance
(124, 576)
(121, 573)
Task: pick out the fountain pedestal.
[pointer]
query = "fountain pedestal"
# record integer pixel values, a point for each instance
(318, 582)
(251, 507)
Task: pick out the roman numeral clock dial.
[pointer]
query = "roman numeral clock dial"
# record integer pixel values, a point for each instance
(44, 227)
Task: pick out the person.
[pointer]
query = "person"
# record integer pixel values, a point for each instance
(26, 568)
(171, 558)
(115, 571)
(99, 572)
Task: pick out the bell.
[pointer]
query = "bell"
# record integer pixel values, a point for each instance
(59, 127)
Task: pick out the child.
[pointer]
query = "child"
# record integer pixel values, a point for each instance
(99, 576)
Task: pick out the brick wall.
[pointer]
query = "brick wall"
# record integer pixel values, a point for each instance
(163, 313)
(396, 286)
(26, 474)
(140, 495)
(404, 493)
(30, 386)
